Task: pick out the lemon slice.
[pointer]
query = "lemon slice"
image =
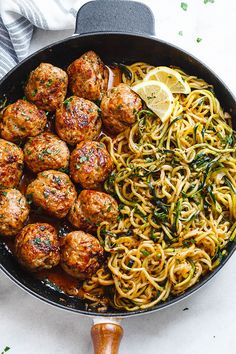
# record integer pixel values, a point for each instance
(171, 78)
(157, 97)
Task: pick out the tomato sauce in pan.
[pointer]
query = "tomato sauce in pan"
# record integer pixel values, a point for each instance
(56, 278)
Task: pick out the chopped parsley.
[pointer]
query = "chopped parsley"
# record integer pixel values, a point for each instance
(33, 93)
(145, 253)
(67, 102)
(46, 194)
(64, 169)
(83, 159)
(184, 6)
(37, 241)
(4, 193)
(180, 33)
(199, 40)
(6, 349)
(209, 1)
(48, 84)
(57, 179)
(47, 242)
(44, 152)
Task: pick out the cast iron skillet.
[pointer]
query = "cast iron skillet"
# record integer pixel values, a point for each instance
(118, 31)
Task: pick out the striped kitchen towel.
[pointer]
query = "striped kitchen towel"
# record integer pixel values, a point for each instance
(18, 18)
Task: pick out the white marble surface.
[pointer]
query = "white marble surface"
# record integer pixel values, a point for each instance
(31, 327)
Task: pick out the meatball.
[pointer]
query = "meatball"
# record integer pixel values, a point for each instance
(37, 247)
(91, 208)
(119, 107)
(46, 151)
(53, 191)
(88, 76)
(14, 211)
(90, 164)
(78, 119)
(11, 164)
(81, 255)
(47, 86)
(21, 120)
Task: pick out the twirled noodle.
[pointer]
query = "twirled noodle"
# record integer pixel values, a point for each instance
(176, 183)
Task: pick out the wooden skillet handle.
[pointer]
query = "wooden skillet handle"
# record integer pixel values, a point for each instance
(106, 338)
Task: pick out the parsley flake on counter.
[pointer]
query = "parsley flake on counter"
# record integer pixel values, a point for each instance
(180, 33)
(209, 1)
(6, 349)
(184, 6)
(199, 40)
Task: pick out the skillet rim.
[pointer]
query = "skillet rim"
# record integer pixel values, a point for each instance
(205, 279)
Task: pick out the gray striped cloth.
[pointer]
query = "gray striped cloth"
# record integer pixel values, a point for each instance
(18, 18)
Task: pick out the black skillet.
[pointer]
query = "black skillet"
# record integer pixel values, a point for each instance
(123, 32)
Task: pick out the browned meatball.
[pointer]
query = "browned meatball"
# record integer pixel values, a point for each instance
(46, 151)
(81, 255)
(78, 119)
(90, 164)
(11, 164)
(53, 191)
(14, 211)
(88, 76)
(119, 107)
(37, 247)
(21, 120)
(47, 86)
(91, 208)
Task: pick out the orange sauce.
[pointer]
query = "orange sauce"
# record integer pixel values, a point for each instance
(114, 77)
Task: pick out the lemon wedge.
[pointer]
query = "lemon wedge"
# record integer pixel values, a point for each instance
(157, 97)
(170, 77)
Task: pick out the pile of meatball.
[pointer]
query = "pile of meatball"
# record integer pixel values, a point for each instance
(76, 147)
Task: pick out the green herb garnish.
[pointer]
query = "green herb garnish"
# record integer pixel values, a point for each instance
(48, 84)
(199, 40)
(37, 241)
(83, 159)
(67, 102)
(145, 253)
(33, 93)
(46, 194)
(184, 6)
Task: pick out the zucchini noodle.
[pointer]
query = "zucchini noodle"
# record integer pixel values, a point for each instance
(176, 185)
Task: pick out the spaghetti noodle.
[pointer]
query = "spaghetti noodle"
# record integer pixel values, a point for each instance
(176, 183)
